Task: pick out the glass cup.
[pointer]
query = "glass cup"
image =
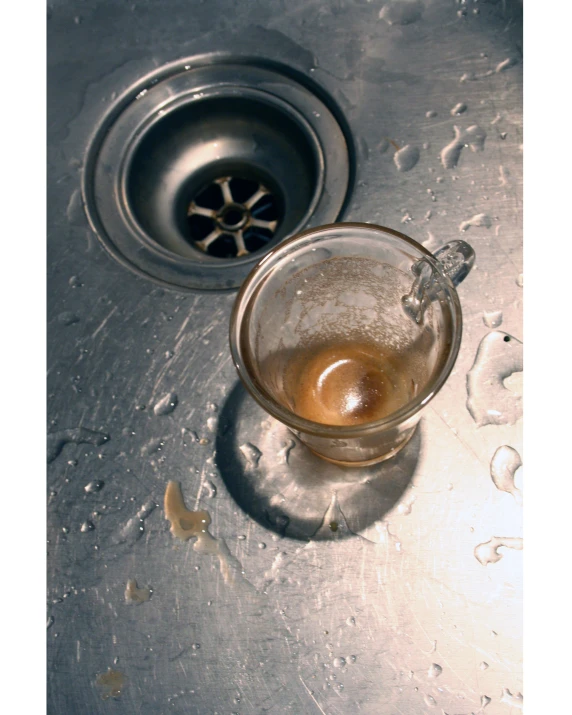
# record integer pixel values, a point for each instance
(345, 332)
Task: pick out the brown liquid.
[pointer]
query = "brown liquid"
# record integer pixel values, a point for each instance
(347, 383)
(134, 594)
(187, 524)
(110, 684)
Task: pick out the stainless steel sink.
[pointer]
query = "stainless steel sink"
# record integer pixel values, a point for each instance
(393, 589)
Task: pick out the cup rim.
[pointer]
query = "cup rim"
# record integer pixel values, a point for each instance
(301, 424)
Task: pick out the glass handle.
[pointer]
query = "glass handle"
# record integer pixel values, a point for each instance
(457, 259)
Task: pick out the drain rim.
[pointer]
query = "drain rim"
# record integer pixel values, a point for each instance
(195, 256)
(148, 258)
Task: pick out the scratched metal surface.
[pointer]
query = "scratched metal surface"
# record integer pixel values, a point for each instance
(340, 622)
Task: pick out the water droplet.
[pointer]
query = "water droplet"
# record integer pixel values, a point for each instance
(339, 662)
(166, 404)
(483, 665)
(261, 545)
(458, 109)
(50, 622)
(284, 454)
(351, 621)
(135, 595)
(474, 137)
(252, 455)
(405, 159)
(353, 658)
(196, 646)
(401, 12)
(431, 114)
(487, 553)
(134, 528)
(65, 529)
(68, 318)
(210, 489)
(489, 401)
(78, 435)
(211, 424)
(515, 701)
(434, 671)
(478, 220)
(485, 700)
(405, 507)
(519, 280)
(241, 537)
(505, 64)
(430, 701)
(87, 526)
(492, 318)
(212, 407)
(504, 464)
(94, 486)
(383, 146)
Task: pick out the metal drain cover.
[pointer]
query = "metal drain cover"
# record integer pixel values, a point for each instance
(205, 165)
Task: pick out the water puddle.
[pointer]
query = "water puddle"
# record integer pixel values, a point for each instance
(504, 464)
(487, 553)
(478, 221)
(401, 12)
(499, 355)
(515, 701)
(187, 525)
(405, 159)
(77, 435)
(134, 528)
(252, 455)
(111, 684)
(474, 137)
(135, 595)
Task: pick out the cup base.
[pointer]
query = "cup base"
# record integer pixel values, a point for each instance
(366, 462)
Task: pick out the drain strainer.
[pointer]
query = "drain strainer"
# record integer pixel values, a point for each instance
(233, 217)
(205, 165)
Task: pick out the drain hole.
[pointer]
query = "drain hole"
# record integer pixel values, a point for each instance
(233, 217)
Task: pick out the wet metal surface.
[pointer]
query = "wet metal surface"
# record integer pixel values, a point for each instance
(396, 589)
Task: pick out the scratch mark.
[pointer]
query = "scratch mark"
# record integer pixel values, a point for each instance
(316, 703)
(103, 323)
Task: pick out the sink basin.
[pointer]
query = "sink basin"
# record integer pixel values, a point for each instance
(393, 589)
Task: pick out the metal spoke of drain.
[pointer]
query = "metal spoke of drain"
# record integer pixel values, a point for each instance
(206, 242)
(259, 223)
(201, 211)
(241, 249)
(224, 184)
(262, 191)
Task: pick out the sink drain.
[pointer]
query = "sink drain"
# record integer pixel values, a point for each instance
(233, 217)
(205, 165)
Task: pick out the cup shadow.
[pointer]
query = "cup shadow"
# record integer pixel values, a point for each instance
(283, 486)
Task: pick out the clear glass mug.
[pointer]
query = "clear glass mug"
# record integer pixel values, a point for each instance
(345, 332)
